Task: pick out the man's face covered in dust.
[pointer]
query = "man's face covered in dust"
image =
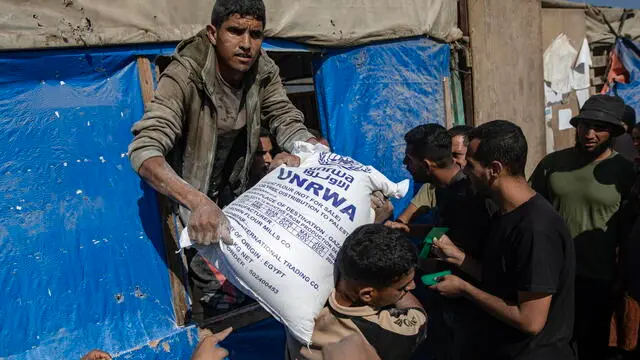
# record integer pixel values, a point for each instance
(238, 42)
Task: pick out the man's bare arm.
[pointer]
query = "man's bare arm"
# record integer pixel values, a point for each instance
(408, 213)
(157, 172)
(207, 223)
(529, 315)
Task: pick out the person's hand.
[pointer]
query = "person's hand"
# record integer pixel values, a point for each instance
(208, 224)
(284, 158)
(397, 226)
(96, 355)
(450, 286)
(381, 206)
(447, 251)
(207, 349)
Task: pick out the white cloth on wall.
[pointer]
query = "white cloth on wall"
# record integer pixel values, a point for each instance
(559, 59)
(581, 73)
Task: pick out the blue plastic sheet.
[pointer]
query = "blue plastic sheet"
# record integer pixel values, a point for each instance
(370, 96)
(629, 54)
(82, 261)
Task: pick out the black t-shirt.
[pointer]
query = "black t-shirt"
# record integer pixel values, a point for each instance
(466, 214)
(530, 249)
(468, 218)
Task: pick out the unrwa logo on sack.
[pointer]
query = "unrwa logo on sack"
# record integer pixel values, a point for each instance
(344, 162)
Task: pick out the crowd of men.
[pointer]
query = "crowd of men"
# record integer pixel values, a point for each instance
(540, 268)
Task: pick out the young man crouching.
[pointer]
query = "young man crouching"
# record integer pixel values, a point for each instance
(375, 269)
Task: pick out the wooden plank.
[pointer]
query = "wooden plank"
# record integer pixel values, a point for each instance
(236, 319)
(463, 16)
(466, 64)
(506, 42)
(175, 261)
(145, 76)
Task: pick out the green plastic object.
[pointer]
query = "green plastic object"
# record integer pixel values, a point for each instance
(432, 279)
(435, 233)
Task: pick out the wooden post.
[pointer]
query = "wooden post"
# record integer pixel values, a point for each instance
(466, 64)
(175, 260)
(146, 79)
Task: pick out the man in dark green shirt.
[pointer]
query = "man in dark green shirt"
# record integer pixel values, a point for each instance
(588, 186)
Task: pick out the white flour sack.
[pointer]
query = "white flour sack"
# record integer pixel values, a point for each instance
(288, 228)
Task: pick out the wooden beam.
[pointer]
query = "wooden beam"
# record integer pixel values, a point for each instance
(146, 79)
(237, 318)
(175, 261)
(466, 64)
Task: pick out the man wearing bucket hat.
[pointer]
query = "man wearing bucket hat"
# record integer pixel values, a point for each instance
(589, 185)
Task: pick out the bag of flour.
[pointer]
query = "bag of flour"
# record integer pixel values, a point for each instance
(288, 228)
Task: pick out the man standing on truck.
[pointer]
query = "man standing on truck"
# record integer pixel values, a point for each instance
(200, 132)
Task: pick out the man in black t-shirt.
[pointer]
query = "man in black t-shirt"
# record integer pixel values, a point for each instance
(453, 325)
(429, 159)
(528, 268)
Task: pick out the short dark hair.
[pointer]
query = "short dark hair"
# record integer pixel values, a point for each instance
(223, 9)
(502, 141)
(629, 117)
(431, 142)
(375, 255)
(461, 130)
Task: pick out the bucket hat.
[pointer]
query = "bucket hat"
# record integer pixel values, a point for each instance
(605, 109)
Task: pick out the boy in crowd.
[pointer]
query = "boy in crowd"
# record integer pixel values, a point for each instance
(528, 268)
(375, 269)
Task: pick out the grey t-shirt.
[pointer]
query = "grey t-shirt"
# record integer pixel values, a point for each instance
(231, 120)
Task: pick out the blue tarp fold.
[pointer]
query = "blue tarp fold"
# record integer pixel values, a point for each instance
(370, 96)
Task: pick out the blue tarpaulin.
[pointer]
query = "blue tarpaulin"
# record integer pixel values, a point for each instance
(370, 96)
(629, 53)
(82, 259)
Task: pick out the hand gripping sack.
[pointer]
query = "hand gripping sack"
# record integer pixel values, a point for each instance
(288, 228)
